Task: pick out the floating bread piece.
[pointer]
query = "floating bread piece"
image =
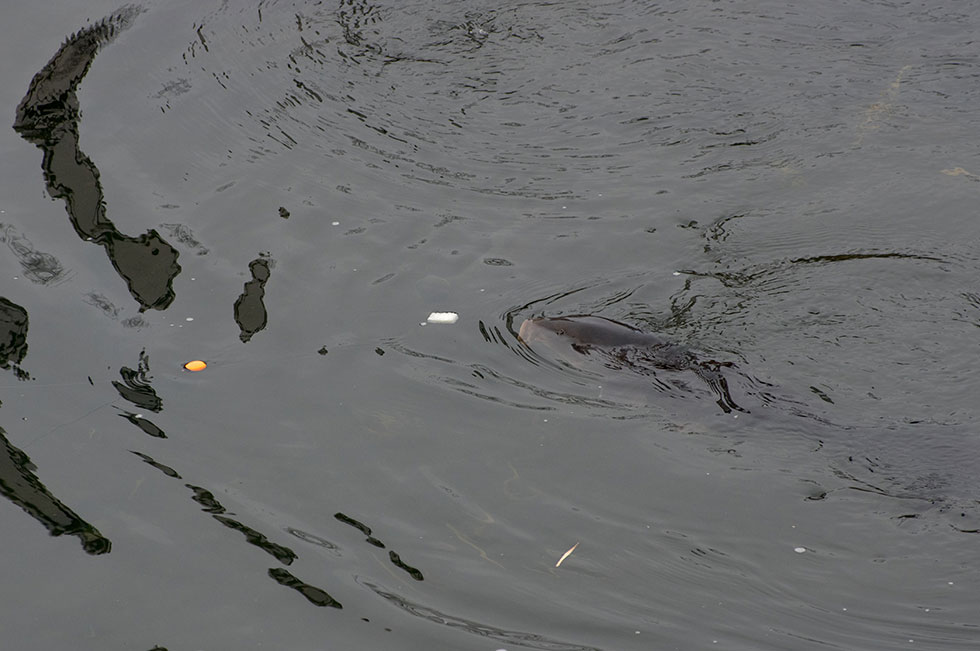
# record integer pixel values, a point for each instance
(443, 317)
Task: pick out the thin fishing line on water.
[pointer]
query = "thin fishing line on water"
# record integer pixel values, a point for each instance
(215, 360)
(218, 359)
(44, 435)
(109, 403)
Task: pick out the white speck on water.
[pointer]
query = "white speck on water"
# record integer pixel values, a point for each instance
(799, 550)
(190, 318)
(677, 273)
(335, 223)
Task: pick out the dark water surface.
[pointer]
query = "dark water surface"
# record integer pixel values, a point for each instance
(287, 189)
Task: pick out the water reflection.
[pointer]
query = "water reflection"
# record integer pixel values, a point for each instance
(38, 267)
(392, 555)
(210, 504)
(524, 639)
(48, 116)
(285, 555)
(250, 312)
(135, 387)
(20, 485)
(148, 427)
(313, 594)
(13, 337)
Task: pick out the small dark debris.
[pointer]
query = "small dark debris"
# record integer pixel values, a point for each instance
(283, 213)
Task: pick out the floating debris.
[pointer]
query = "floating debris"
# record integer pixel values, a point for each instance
(443, 317)
(196, 365)
(566, 555)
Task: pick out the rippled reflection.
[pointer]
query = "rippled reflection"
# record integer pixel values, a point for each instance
(48, 116)
(14, 324)
(525, 639)
(20, 485)
(250, 312)
(38, 266)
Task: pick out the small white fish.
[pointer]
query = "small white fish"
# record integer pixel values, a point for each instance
(566, 555)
